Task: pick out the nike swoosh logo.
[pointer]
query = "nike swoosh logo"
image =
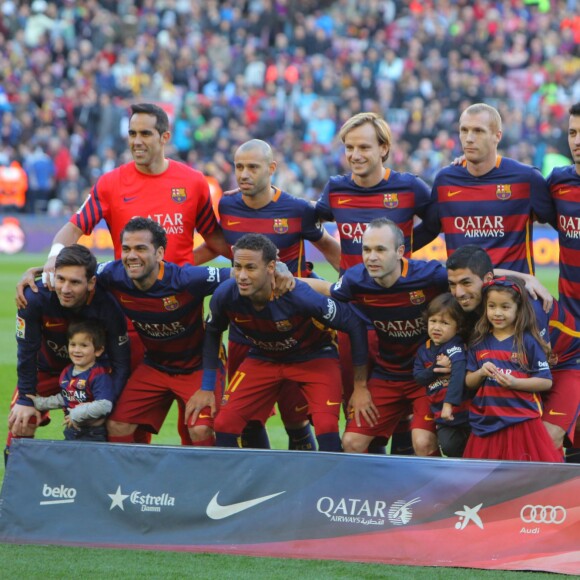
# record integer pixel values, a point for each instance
(233, 223)
(369, 300)
(300, 409)
(125, 301)
(215, 511)
(204, 416)
(128, 199)
(452, 193)
(240, 320)
(564, 191)
(331, 403)
(428, 418)
(483, 354)
(343, 201)
(552, 412)
(53, 324)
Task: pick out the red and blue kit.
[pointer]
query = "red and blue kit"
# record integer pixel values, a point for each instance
(93, 384)
(41, 335)
(287, 221)
(178, 199)
(398, 196)
(292, 339)
(397, 316)
(169, 320)
(564, 185)
(495, 211)
(444, 388)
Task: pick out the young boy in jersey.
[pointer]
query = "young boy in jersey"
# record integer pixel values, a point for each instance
(440, 366)
(87, 393)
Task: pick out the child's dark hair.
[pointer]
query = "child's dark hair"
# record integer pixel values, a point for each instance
(90, 327)
(447, 303)
(525, 321)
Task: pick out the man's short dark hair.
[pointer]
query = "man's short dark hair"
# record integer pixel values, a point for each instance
(91, 327)
(257, 243)
(77, 255)
(384, 222)
(472, 257)
(140, 224)
(161, 118)
(575, 110)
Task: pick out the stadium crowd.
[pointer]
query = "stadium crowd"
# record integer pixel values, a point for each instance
(286, 71)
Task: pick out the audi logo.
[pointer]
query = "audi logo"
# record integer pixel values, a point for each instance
(543, 514)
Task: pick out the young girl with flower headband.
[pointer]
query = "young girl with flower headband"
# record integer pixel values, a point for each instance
(508, 365)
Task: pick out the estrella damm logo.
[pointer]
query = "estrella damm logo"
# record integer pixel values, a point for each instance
(281, 225)
(283, 325)
(170, 303)
(417, 297)
(503, 191)
(391, 200)
(178, 194)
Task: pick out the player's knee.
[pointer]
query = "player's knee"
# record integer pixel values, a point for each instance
(424, 442)
(23, 430)
(200, 433)
(556, 433)
(119, 429)
(355, 443)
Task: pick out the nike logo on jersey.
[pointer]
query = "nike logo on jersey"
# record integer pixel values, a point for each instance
(241, 320)
(204, 416)
(483, 354)
(552, 412)
(452, 193)
(369, 300)
(53, 324)
(300, 409)
(428, 418)
(233, 223)
(332, 403)
(128, 199)
(343, 201)
(215, 511)
(125, 301)
(564, 191)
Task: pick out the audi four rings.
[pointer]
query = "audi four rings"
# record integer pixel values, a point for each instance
(543, 514)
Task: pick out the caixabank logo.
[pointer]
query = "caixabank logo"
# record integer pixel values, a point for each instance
(144, 502)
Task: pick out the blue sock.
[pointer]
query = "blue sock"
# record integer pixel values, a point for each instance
(402, 444)
(301, 439)
(255, 436)
(573, 455)
(329, 442)
(226, 440)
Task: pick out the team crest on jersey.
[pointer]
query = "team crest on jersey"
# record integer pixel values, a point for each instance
(417, 297)
(283, 325)
(391, 200)
(503, 191)
(20, 327)
(170, 303)
(81, 385)
(514, 358)
(178, 194)
(281, 225)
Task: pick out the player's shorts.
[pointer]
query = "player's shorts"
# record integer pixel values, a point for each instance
(136, 345)
(525, 441)
(562, 401)
(256, 385)
(47, 384)
(149, 392)
(392, 399)
(291, 401)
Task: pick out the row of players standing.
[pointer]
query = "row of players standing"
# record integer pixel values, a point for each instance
(511, 192)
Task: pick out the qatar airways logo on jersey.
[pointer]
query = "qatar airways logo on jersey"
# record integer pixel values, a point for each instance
(58, 350)
(353, 231)
(480, 226)
(275, 345)
(172, 223)
(401, 328)
(569, 226)
(159, 330)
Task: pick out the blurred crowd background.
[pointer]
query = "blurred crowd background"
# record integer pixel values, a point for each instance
(286, 71)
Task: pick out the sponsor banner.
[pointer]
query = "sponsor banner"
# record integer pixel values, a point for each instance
(21, 233)
(396, 510)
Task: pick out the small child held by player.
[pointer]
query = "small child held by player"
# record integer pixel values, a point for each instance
(440, 366)
(508, 365)
(87, 392)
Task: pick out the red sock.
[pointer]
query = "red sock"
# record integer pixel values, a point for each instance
(121, 438)
(436, 453)
(141, 436)
(209, 442)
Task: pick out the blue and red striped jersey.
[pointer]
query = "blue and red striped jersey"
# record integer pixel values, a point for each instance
(398, 196)
(564, 185)
(296, 327)
(168, 316)
(396, 312)
(93, 384)
(41, 335)
(444, 388)
(495, 407)
(495, 211)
